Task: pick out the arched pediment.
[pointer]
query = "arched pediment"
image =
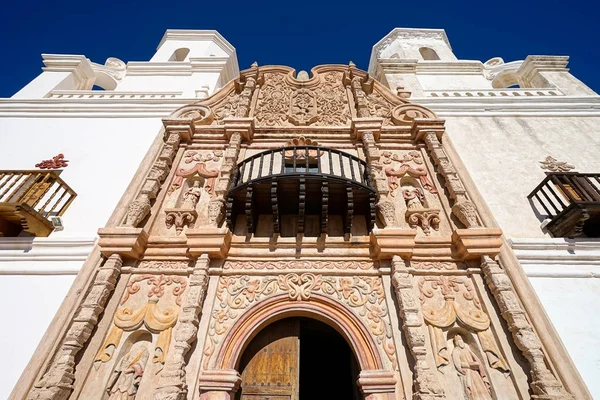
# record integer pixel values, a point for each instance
(333, 95)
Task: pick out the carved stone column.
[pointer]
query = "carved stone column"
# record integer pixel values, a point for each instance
(426, 385)
(139, 208)
(463, 207)
(57, 382)
(172, 383)
(216, 206)
(543, 383)
(219, 384)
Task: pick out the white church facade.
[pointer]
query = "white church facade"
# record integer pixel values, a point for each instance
(430, 211)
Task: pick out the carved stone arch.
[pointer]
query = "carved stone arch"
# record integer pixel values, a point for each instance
(318, 307)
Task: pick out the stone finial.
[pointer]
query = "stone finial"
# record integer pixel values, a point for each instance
(302, 76)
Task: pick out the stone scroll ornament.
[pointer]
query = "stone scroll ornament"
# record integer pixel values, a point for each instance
(54, 163)
(57, 382)
(449, 301)
(172, 382)
(544, 384)
(150, 316)
(418, 173)
(426, 384)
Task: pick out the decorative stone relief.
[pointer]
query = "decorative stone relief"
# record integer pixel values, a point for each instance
(552, 164)
(426, 385)
(363, 295)
(447, 301)
(57, 382)
(543, 383)
(463, 207)
(163, 264)
(299, 264)
(273, 101)
(139, 208)
(54, 163)
(136, 312)
(379, 106)
(437, 265)
(172, 383)
(475, 383)
(126, 377)
(303, 107)
(332, 100)
(406, 114)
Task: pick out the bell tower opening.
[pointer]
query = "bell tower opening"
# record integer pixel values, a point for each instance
(298, 358)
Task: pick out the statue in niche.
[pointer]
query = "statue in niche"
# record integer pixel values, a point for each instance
(192, 195)
(414, 198)
(125, 380)
(476, 385)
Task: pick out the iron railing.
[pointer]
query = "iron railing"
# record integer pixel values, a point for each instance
(305, 161)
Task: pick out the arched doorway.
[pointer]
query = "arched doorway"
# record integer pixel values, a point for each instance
(298, 358)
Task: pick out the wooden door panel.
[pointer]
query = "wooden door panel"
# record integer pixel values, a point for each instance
(271, 363)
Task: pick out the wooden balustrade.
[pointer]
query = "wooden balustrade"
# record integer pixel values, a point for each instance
(29, 199)
(571, 201)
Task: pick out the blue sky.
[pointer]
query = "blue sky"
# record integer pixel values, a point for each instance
(298, 34)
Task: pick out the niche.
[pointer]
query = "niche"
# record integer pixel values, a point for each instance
(180, 54)
(428, 54)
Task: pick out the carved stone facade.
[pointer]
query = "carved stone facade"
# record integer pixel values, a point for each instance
(421, 315)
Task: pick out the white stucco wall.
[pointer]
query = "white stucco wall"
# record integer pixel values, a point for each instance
(571, 304)
(29, 303)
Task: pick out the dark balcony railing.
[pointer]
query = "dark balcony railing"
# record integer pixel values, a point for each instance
(28, 200)
(319, 162)
(571, 201)
(301, 181)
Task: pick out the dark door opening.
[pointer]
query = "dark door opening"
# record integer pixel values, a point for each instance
(298, 359)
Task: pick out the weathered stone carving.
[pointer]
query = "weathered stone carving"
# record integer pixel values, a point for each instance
(450, 300)
(274, 101)
(406, 114)
(172, 383)
(303, 107)
(150, 315)
(387, 211)
(469, 368)
(426, 218)
(57, 382)
(180, 218)
(139, 208)
(298, 264)
(552, 164)
(543, 383)
(364, 295)
(125, 380)
(419, 173)
(332, 100)
(463, 208)
(414, 156)
(466, 212)
(426, 385)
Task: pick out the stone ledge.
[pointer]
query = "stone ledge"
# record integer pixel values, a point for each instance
(208, 240)
(125, 241)
(476, 242)
(390, 242)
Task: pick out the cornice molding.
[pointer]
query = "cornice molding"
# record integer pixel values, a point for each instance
(16, 250)
(558, 257)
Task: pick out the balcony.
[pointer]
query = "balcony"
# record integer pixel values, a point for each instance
(29, 200)
(571, 201)
(308, 190)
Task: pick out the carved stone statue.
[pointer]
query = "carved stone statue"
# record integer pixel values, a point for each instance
(414, 198)
(125, 380)
(192, 196)
(476, 385)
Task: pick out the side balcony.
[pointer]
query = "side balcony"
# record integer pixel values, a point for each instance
(30, 201)
(306, 190)
(571, 201)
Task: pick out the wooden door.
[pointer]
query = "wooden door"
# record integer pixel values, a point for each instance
(271, 364)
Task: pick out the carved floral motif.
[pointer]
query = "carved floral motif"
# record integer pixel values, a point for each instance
(54, 163)
(552, 164)
(332, 100)
(273, 101)
(364, 295)
(299, 264)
